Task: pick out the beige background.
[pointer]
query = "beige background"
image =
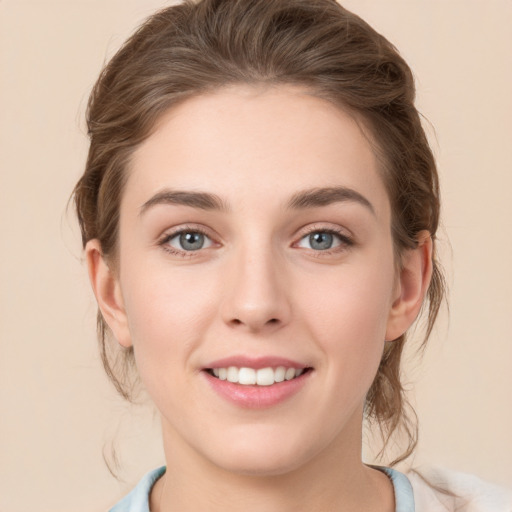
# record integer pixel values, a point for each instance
(57, 410)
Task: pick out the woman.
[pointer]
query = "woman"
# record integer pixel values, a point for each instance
(259, 213)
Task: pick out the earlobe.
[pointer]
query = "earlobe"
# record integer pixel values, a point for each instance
(107, 290)
(412, 286)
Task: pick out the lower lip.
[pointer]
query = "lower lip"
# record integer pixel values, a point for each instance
(257, 397)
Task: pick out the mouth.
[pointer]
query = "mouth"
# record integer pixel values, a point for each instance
(257, 382)
(246, 376)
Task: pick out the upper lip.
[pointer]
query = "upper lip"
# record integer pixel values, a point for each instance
(255, 362)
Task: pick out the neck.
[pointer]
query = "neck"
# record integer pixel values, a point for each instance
(333, 480)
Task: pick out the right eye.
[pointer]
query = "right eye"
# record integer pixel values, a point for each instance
(186, 241)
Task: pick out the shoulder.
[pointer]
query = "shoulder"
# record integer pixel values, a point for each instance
(444, 490)
(138, 499)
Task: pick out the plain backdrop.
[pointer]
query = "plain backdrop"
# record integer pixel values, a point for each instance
(58, 413)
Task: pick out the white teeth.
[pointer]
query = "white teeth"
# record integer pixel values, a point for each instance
(261, 377)
(232, 375)
(247, 376)
(290, 373)
(279, 373)
(265, 377)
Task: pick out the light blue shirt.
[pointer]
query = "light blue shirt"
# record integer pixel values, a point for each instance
(138, 499)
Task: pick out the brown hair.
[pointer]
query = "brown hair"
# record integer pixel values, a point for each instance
(200, 46)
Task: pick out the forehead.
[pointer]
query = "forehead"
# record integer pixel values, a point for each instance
(256, 144)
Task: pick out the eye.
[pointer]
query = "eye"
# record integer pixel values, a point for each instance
(323, 240)
(188, 240)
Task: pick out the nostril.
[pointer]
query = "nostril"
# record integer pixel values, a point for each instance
(254, 323)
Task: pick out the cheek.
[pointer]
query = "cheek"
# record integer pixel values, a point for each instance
(167, 312)
(354, 347)
(348, 316)
(156, 295)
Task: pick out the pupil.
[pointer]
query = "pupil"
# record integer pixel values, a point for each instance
(321, 241)
(192, 241)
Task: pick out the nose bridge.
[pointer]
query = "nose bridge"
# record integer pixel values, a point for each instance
(257, 297)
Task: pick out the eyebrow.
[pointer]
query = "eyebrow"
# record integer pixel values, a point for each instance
(316, 197)
(202, 200)
(310, 198)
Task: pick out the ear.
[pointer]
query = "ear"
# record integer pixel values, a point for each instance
(107, 290)
(411, 287)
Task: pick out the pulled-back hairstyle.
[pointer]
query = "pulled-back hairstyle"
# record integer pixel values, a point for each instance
(199, 46)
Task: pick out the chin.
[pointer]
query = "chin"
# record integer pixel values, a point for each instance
(263, 455)
(259, 466)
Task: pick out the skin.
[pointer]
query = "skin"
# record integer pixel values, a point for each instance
(258, 287)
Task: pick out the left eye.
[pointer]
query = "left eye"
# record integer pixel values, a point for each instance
(321, 240)
(189, 241)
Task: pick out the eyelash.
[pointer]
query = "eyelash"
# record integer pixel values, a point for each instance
(345, 241)
(164, 242)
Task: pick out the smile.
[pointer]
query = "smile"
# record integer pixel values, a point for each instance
(256, 382)
(256, 377)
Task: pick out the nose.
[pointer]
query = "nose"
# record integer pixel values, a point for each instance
(257, 293)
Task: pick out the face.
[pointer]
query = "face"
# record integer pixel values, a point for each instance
(255, 245)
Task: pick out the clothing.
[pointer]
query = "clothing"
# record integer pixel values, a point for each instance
(412, 493)
(471, 493)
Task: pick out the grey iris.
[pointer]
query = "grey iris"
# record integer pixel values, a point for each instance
(321, 241)
(191, 241)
